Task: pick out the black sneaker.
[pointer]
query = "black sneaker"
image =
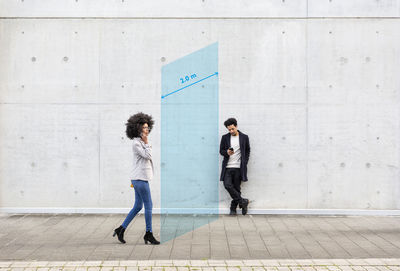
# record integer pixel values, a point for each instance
(245, 203)
(232, 212)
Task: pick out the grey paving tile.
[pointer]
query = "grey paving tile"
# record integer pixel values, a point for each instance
(252, 237)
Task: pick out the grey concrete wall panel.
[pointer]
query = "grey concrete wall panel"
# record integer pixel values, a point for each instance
(153, 8)
(49, 155)
(354, 95)
(353, 8)
(354, 61)
(353, 156)
(199, 9)
(49, 61)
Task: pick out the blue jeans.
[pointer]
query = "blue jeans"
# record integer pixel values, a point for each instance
(142, 195)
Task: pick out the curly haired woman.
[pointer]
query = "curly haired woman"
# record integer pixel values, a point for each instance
(138, 128)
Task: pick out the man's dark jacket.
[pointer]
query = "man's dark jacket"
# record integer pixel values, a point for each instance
(244, 144)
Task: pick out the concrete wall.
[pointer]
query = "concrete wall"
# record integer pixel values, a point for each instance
(315, 84)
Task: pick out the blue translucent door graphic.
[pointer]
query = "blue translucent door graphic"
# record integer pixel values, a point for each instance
(189, 143)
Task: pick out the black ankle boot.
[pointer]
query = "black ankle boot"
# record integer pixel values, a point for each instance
(120, 233)
(148, 237)
(245, 204)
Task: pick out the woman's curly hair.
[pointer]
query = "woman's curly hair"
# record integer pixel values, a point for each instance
(135, 124)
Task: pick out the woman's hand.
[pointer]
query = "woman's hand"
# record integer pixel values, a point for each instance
(145, 139)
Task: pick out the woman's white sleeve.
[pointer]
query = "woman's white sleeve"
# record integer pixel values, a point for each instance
(144, 150)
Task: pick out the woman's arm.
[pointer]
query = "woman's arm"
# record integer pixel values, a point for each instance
(143, 150)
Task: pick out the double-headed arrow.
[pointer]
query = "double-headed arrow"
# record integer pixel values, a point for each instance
(214, 74)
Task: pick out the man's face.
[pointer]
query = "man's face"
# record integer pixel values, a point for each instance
(232, 129)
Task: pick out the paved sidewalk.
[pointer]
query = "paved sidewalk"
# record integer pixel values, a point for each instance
(210, 265)
(89, 237)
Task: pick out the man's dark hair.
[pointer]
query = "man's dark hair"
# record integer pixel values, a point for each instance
(135, 124)
(230, 121)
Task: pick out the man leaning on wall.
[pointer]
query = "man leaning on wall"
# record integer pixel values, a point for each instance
(235, 148)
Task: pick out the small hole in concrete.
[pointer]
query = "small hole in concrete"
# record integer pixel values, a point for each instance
(342, 164)
(33, 59)
(368, 165)
(65, 58)
(163, 59)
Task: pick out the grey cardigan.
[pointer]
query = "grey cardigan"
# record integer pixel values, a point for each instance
(142, 161)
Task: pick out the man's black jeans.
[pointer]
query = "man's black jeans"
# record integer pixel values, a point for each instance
(232, 181)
